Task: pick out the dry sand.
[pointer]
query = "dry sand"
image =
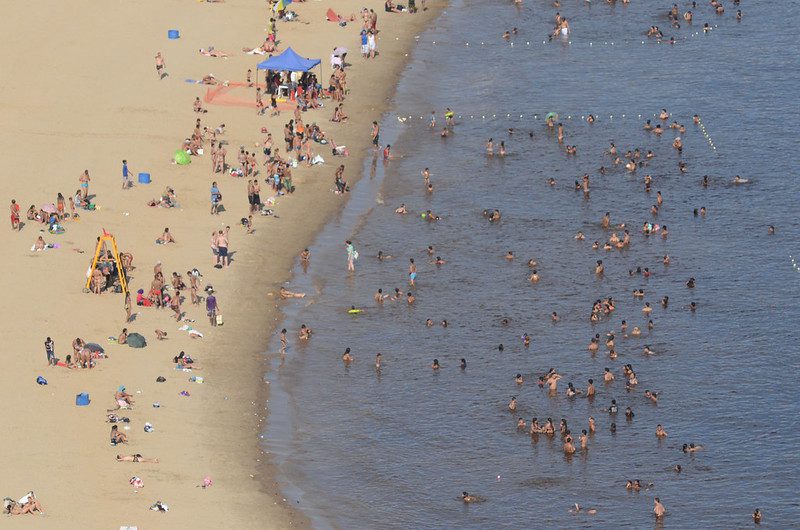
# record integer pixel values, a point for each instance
(81, 92)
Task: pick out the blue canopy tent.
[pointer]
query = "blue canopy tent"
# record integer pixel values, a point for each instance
(288, 61)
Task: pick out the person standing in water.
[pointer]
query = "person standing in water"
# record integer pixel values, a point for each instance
(352, 255)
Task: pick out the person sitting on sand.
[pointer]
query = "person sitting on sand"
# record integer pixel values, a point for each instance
(165, 238)
(123, 337)
(184, 362)
(123, 399)
(338, 114)
(39, 245)
(136, 458)
(26, 505)
(285, 293)
(197, 106)
(118, 437)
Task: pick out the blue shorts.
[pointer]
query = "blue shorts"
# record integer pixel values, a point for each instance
(413, 275)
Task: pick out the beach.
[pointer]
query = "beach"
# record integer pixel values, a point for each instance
(88, 104)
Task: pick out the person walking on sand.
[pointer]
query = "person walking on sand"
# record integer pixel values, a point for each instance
(15, 224)
(175, 305)
(214, 248)
(127, 306)
(50, 350)
(371, 44)
(126, 175)
(352, 255)
(84, 180)
(222, 248)
(216, 198)
(212, 307)
(160, 66)
(376, 134)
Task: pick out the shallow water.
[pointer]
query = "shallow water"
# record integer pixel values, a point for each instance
(358, 449)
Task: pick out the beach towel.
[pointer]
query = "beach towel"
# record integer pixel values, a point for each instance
(332, 16)
(192, 332)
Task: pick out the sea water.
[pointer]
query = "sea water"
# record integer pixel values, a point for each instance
(358, 448)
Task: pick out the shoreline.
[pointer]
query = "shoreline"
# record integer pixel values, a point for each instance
(212, 432)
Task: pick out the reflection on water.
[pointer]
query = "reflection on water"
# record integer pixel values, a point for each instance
(394, 448)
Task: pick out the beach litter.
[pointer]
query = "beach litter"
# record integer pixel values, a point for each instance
(136, 482)
(148, 427)
(159, 506)
(207, 482)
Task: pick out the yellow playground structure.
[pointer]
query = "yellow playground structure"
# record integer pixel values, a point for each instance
(107, 243)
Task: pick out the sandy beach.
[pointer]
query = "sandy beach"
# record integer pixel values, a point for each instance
(87, 102)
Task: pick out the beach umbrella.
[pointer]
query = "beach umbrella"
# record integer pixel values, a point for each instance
(182, 157)
(136, 341)
(341, 50)
(49, 208)
(93, 346)
(551, 116)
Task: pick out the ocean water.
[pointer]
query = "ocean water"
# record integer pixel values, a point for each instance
(358, 448)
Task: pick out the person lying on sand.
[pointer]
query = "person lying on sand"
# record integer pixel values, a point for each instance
(136, 458)
(211, 52)
(285, 293)
(208, 80)
(160, 334)
(267, 47)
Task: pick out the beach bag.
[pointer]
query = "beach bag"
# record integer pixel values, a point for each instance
(82, 399)
(41, 380)
(219, 319)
